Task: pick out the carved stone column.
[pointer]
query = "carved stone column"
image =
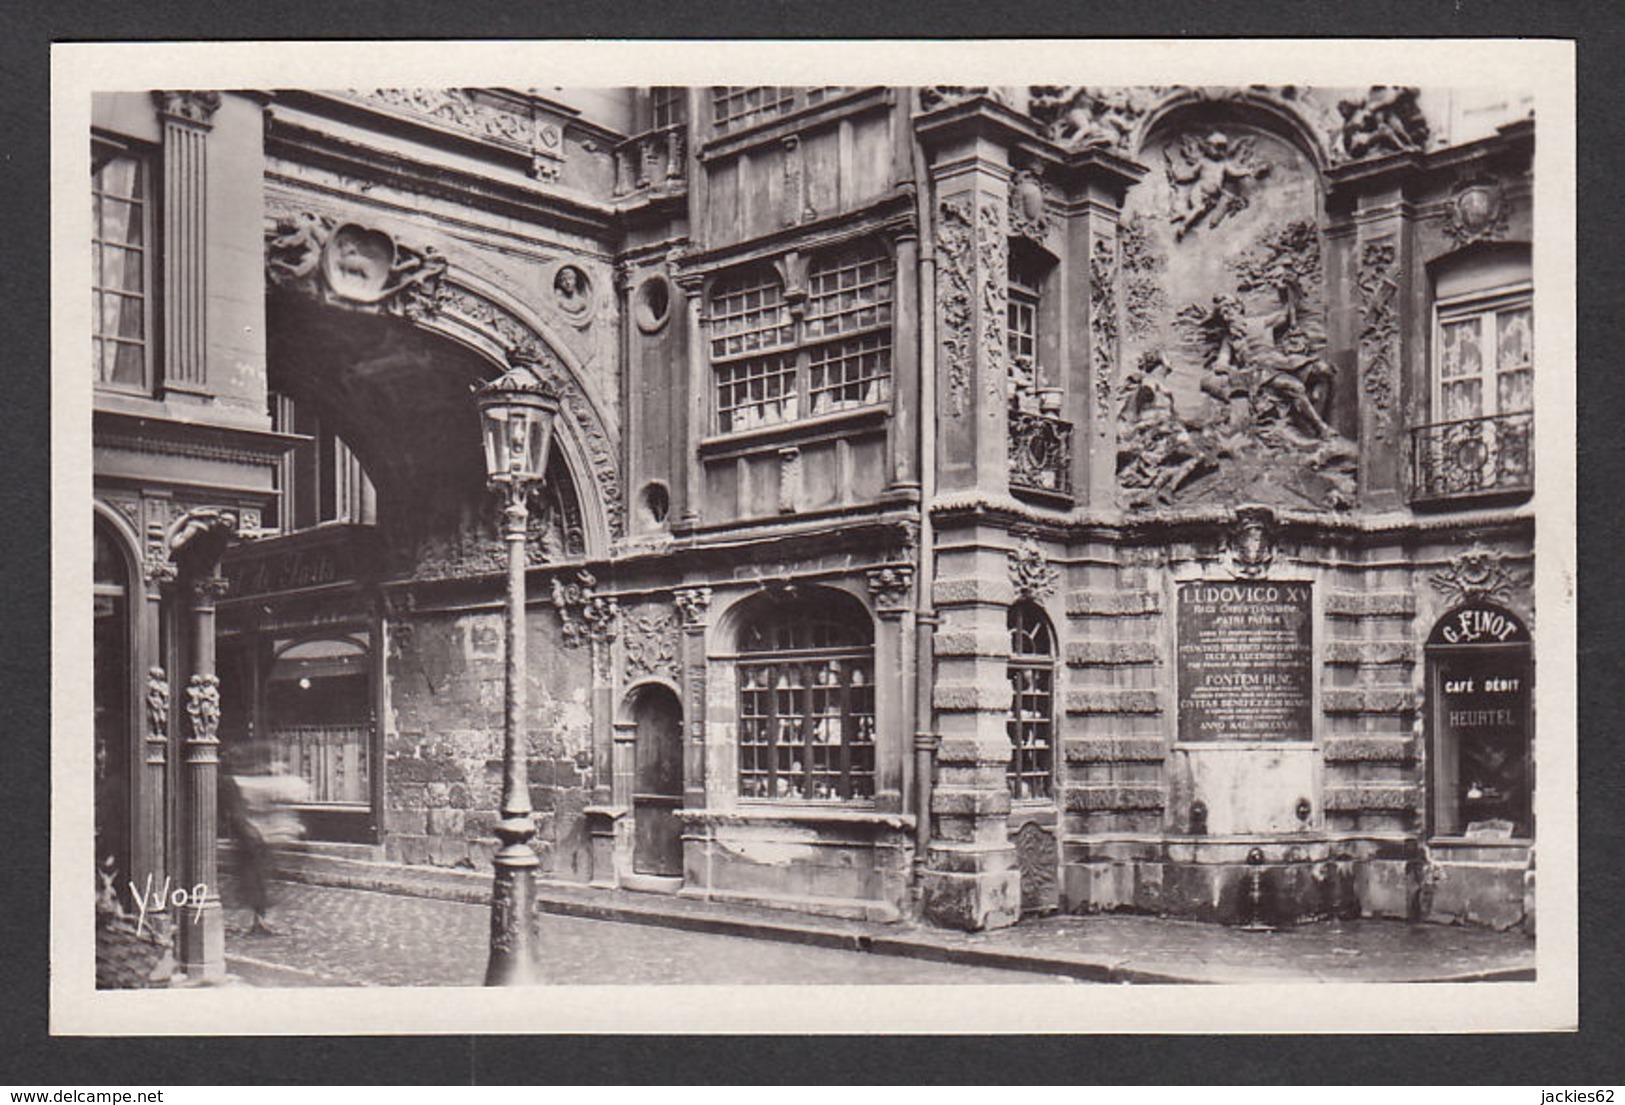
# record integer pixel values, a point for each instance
(693, 609)
(1382, 255)
(150, 862)
(187, 119)
(690, 506)
(892, 591)
(902, 443)
(201, 921)
(972, 264)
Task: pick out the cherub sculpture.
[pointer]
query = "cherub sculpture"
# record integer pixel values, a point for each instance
(1206, 180)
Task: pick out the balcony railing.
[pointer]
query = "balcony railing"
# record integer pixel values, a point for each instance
(1040, 453)
(654, 159)
(1473, 457)
(333, 759)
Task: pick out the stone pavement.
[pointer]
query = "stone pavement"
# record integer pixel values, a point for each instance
(328, 936)
(412, 912)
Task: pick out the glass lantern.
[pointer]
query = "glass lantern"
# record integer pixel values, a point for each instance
(516, 416)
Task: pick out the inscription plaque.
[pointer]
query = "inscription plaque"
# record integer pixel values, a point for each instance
(1245, 661)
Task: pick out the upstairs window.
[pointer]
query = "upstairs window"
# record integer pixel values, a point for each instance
(319, 480)
(121, 272)
(735, 108)
(806, 703)
(1031, 725)
(1486, 361)
(772, 368)
(667, 107)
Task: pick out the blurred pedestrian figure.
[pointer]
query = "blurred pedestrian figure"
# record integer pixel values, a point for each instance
(256, 803)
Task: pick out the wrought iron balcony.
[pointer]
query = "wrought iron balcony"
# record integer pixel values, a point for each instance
(656, 159)
(1040, 453)
(1473, 458)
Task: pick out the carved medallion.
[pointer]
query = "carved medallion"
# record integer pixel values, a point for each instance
(1480, 574)
(1251, 542)
(1029, 210)
(1476, 212)
(353, 265)
(1031, 574)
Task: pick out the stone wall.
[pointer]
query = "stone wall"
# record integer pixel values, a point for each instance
(443, 741)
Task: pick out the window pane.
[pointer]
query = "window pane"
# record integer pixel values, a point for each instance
(748, 315)
(1459, 354)
(129, 363)
(1514, 346)
(849, 374)
(1514, 391)
(755, 393)
(849, 291)
(1462, 399)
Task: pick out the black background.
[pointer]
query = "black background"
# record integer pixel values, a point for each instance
(29, 1057)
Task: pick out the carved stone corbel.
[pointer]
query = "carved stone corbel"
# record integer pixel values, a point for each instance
(891, 589)
(693, 605)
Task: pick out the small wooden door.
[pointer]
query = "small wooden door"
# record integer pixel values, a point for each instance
(658, 784)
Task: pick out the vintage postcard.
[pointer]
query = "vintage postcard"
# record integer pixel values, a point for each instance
(562, 544)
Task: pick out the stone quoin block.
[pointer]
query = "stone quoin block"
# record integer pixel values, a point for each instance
(1090, 603)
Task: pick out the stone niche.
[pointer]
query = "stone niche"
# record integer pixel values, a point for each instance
(1225, 390)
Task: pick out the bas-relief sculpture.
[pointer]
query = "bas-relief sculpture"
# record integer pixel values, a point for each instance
(1225, 391)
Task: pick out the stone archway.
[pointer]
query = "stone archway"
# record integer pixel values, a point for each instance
(383, 281)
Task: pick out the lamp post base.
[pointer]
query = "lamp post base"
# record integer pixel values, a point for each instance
(514, 940)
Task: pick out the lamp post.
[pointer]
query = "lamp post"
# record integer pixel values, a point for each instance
(516, 416)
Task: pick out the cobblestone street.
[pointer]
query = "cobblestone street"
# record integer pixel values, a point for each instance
(342, 937)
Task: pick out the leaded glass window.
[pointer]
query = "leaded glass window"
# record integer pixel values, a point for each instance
(806, 704)
(1031, 725)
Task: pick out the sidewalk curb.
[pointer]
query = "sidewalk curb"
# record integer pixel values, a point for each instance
(598, 904)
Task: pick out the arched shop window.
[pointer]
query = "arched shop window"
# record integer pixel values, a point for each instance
(1480, 688)
(318, 710)
(1032, 703)
(807, 700)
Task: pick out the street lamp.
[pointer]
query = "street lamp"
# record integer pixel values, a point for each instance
(516, 416)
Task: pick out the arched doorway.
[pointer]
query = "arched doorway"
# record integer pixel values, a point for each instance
(657, 787)
(1480, 684)
(112, 730)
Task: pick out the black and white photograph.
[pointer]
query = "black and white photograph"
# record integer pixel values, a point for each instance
(873, 555)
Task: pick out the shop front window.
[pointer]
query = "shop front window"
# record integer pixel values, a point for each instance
(806, 704)
(1480, 682)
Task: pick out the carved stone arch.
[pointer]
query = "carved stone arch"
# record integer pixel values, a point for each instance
(1302, 120)
(644, 685)
(481, 316)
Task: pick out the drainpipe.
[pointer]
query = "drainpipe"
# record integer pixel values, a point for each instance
(925, 616)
